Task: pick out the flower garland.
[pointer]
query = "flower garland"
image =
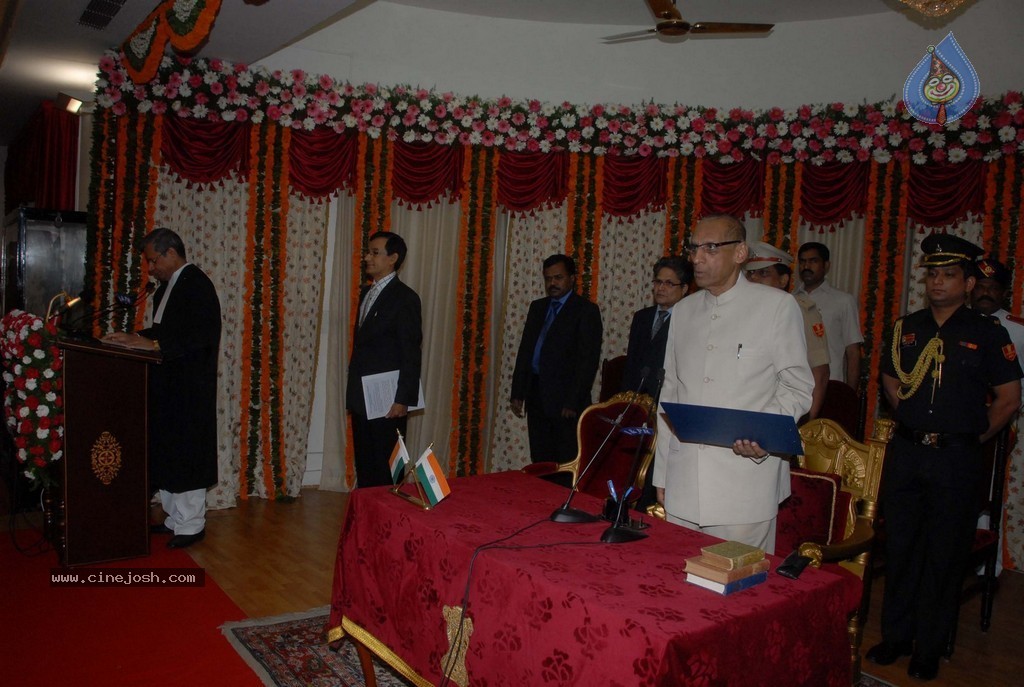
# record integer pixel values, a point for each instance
(33, 398)
(476, 252)
(217, 90)
(683, 202)
(583, 238)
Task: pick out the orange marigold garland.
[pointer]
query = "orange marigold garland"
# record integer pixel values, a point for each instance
(584, 205)
(476, 252)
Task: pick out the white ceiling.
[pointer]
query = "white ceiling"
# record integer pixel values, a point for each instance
(48, 51)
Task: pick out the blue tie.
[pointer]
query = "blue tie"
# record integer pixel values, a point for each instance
(552, 312)
(659, 322)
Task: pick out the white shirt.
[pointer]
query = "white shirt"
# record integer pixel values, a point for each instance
(372, 294)
(1016, 331)
(842, 325)
(746, 350)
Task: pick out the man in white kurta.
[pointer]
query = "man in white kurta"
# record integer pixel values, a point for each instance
(739, 345)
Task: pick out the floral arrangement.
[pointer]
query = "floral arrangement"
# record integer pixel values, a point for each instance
(845, 132)
(33, 402)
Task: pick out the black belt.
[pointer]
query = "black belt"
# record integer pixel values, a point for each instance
(937, 439)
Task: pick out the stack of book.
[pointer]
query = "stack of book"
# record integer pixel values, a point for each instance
(727, 567)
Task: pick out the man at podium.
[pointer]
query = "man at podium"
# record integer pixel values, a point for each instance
(182, 388)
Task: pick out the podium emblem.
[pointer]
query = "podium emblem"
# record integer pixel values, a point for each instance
(106, 458)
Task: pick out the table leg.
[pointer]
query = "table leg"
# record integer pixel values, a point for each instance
(366, 661)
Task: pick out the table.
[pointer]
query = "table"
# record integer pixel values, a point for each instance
(570, 610)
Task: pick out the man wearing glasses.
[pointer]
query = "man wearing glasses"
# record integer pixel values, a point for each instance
(731, 345)
(648, 333)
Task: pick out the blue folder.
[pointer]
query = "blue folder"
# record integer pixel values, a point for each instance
(722, 426)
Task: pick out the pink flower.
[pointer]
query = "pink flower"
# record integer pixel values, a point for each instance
(241, 115)
(440, 111)
(644, 150)
(504, 102)
(262, 88)
(863, 155)
(326, 82)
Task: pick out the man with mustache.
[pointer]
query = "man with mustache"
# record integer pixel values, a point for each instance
(557, 362)
(838, 309)
(987, 297)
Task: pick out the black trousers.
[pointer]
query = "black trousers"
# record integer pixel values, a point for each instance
(373, 441)
(551, 438)
(929, 502)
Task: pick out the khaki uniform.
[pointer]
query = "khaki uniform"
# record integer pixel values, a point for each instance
(814, 330)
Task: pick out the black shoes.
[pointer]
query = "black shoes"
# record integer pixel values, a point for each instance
(887, 653)
(180, 541)
(923, 668)
(160, 529)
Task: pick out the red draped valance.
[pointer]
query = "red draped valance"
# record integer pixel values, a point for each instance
(323, 162)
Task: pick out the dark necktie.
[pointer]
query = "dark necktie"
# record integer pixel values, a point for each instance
(552, 312)
(659, 322)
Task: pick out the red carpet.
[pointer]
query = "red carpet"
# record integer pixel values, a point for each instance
(122, 635)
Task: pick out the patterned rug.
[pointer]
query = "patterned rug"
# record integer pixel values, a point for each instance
(289, 650)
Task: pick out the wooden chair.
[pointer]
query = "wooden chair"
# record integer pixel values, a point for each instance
(831, 515)
(615, 460)
(986, 547)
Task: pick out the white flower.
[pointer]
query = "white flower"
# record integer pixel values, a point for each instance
(969, 138)
(895, 140)
(475, 137)
(42, 410)
(851, 109)
(881, 130)
(285, 121)
(145, 106)
(545, 146)
(889, 109)
(245, 78)
(984, 122)
(184, 90)
(1007, 134)
(228, 115)
(844, 156)
(957, 154)
(992, 155)
(547, 109)
(42, 433)
(466, 121)
(50, 397)
(866, 142)
(881, 155)
(560, 134)
(587, 131)
(799, 144)
(953, 125)
(829, 142)
(918, 126)
(421, 120)
(841, 128)
(409, 136)
(937, 139)
(23, 411)
(31, 385)
(686, 148)
(200, 111)
(349, 120)
(919, 158)
(1013, 108)
(568, 121)
(657, 124)
(39, 354)
(308, 123)
(534, 132)
(257, 116)
(158, 89)
(671, 136)
(574, 146)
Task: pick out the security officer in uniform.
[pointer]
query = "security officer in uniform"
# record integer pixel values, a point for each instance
(770, 266)
(939, 369)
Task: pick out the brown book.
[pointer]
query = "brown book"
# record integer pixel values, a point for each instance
(729, 555)
(698, 565)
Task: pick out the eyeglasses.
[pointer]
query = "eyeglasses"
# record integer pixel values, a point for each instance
(665, 282)
(711, 247)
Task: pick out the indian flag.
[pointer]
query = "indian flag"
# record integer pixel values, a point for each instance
(429, 473)
(399, 458)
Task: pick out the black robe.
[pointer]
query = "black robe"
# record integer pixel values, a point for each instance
(183, 387)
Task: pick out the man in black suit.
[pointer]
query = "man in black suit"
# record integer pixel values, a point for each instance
(388, 337)
(182, 388)
(649, 331)
(556, 364)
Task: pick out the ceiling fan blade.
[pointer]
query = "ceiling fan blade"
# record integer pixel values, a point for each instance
(729, 27)
(628, 38)
(647, 33)
(664, 9)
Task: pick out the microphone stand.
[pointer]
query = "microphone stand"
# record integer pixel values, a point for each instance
(567, 514)
(619, 533)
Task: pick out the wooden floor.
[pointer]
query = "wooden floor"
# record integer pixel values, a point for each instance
(273, 558)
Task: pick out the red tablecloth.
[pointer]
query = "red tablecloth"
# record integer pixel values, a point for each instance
(573, 611)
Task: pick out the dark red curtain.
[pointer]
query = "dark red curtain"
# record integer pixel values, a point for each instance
(833, 192)
(530, 180)
(204, 151)
(321, 162)
(424, 171)
(634, 183)
(42, 162)
(941, 193)
(733, 189)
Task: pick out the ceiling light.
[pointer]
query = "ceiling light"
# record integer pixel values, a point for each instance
(934, 8)
(66, 102)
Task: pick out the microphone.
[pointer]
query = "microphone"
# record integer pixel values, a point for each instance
(69, 303)
(567, 514)
(122, 301)
(619, 533)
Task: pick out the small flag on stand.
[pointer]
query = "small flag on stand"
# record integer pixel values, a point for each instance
(430, 475)
(399, 458)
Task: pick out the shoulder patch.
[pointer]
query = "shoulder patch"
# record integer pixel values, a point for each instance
(819, 329)
(1015, 319)
(1009, 352)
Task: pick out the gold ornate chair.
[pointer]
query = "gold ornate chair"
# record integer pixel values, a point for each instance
(831, 514)
(615, 460)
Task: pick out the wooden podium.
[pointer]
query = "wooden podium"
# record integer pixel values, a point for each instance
(104, 515)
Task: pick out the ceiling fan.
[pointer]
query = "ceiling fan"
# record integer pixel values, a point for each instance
(671, 23)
